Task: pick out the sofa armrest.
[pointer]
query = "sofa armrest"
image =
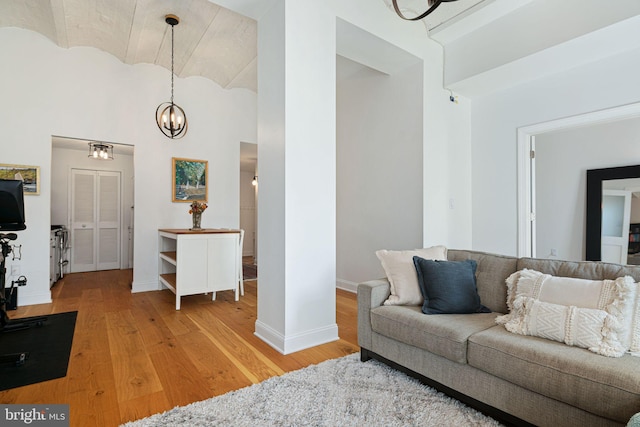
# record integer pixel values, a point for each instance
(371, 294)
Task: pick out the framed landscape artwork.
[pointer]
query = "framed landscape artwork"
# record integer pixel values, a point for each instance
(189, 180)
(29, 175)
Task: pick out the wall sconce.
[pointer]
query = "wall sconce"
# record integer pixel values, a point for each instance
(254, 181)
(100, 151)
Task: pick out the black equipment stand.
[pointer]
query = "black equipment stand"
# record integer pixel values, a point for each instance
(7, 325)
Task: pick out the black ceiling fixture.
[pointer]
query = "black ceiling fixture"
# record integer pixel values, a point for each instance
(170, 118)
(431, 5)
(100, 151)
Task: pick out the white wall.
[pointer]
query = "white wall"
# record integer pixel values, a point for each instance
(496, 118)
(446, 128)
(562, 159)
(63, 160)
(84, 92)
(379, 167)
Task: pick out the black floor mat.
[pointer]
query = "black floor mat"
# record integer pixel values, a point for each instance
(49, 348)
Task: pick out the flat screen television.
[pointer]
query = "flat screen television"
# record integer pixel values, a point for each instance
(11, 205)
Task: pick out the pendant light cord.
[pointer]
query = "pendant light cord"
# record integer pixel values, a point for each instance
(172, 64)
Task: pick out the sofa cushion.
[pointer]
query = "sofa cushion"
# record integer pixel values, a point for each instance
(399, 268)
(491, 273)
(448, 287)
(580, 269)
(445, 335)
(608, 387)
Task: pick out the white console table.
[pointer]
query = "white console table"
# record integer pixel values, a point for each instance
(199, 261)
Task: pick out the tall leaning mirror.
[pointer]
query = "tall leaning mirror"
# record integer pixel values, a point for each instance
(611, 196)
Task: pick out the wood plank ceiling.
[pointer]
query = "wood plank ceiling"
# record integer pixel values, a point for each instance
(210, 41)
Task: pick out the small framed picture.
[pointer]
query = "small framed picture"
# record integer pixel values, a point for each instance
(189, 180)
(29, 175)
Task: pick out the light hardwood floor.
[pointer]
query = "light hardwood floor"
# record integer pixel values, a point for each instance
(134, 355)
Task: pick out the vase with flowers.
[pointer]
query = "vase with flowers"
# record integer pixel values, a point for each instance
(196, 213)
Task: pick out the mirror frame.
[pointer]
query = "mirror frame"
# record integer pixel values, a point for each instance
(594, 205)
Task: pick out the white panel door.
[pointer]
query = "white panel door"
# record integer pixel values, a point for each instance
(108, 224)
(95, 220)
(616, 214)
(83, 220)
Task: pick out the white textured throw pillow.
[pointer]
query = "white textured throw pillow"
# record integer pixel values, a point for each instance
(618, 298)
(399, 268)
(588, 328)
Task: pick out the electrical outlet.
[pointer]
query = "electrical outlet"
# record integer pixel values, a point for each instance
(15, 270)
(554, 252)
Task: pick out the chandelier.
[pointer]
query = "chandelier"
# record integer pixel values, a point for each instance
(170, 118)
(431, 6)
(100, 151)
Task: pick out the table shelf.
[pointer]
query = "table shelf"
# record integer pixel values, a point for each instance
(170, 256)
(169, 280)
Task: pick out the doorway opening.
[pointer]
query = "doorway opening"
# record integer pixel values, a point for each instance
(93, 200)
(530, 216)
(249, 208)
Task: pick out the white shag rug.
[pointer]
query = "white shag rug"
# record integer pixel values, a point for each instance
(339, 392)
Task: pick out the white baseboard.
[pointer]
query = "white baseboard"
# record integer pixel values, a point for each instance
(347, 285)
(269, 335)
(293, 343)
(44, 298)
(145, 286)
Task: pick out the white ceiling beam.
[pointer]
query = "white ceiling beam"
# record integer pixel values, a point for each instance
(477, 16)
(597, 45)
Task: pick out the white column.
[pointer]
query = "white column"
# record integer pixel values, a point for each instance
(296, 148)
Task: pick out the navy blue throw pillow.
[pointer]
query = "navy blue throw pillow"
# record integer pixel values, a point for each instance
(448, 287)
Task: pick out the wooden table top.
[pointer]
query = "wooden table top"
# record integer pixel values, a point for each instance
(202, 231)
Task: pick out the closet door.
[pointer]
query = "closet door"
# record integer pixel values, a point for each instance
(83, 220)
(108, 224)
(95, 220)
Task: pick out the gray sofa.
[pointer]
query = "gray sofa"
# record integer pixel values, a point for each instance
(517, 379)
